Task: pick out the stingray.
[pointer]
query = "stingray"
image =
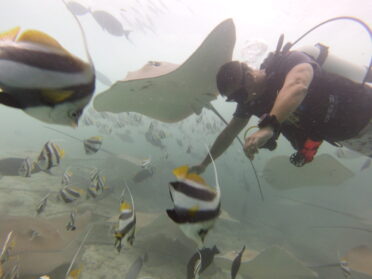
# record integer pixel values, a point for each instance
(41, 244)
(169, 92)
(360, 259)
(276, 262)
(324, 170)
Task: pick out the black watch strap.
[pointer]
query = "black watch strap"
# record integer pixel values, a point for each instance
(269, 120)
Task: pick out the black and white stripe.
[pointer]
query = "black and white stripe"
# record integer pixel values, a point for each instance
(26, 167)
(92, 145)
(50, 156)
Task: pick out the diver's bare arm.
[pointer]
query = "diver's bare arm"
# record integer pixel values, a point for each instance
(225, 138)
(293, 91)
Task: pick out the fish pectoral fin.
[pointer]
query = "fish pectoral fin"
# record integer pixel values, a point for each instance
(56, 96)
(41, 38)
(10, 35)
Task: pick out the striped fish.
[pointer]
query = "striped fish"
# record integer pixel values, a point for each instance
(92, 145)
(93, 191)
(126, 226)
(50, 156)
(99, 181)
(42, 78)
(70, 193)
(26, 167)
(66, 177)
(196, 204)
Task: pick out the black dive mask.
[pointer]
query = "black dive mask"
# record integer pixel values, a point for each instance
(239, 96)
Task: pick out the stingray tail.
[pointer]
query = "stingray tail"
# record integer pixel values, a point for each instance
(212, 108)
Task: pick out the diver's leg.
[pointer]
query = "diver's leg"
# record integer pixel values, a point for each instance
(362, 143)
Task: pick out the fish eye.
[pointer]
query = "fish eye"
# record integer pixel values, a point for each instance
(74, 114)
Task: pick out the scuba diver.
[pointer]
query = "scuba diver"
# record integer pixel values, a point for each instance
(294, 96)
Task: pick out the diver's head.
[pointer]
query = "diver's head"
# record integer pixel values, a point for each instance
(235, 80)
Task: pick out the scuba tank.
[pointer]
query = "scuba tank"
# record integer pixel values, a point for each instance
(327, 61)
(307, 147)
(333, 64)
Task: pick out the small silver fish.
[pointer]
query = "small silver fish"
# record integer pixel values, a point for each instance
(236, 263)
(71, 223)
(42, 205)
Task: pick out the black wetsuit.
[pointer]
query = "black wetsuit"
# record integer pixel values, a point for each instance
(334, 109)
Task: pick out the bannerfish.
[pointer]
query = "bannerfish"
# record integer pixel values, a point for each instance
(70, 193)
(196, 204)
(26, 167)
(92, 145)
(50, 156)
(206, 255)
(110, 23)
(96, 187)
(126, 227)
(97, 180)
(136, 267)
(66, 177)
(236, 263)
(40, 77)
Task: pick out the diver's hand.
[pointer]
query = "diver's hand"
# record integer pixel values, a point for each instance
(198, 169)
(256, 140)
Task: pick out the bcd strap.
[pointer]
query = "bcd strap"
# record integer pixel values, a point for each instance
(323, 54)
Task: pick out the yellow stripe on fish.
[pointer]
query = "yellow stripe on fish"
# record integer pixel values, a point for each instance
(183, 173)
(10, 35)
(42, 78)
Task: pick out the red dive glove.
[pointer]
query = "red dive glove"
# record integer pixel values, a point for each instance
(306, 153)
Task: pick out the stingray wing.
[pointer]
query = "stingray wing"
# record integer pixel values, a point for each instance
(184, 90)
